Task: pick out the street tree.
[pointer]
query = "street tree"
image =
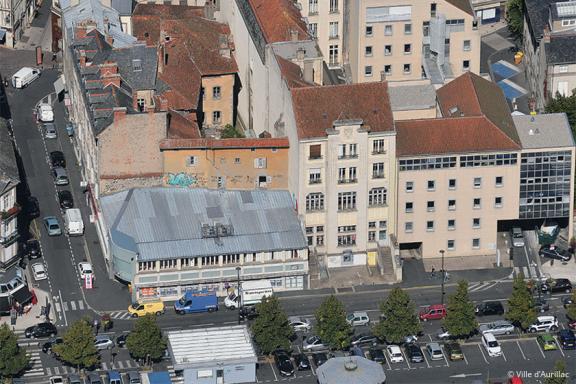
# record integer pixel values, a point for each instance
(571, 308)
(460, 317)
(271, 328)
(231, 132)
(13, 359)
(521, 310)
(78, 347)
(564, 104)
(146, 342)
(515, 17)
(399, 317)
(331, 324)
(558, 374)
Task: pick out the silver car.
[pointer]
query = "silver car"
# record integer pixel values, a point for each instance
(434, 351)
(498, 327)
(313, 343)
(103, 342)
(50, 131)
(60, 176)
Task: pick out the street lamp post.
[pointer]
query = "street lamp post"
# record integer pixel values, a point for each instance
(443, 276)
(238, 294)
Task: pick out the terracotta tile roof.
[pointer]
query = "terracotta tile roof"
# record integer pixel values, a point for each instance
(281, 142)
(450, 135)
(464, 5)
(471, 95)
(277, 18)
(183, 125)
(146, 19)
(183, 78)
(292, 73)
(316, 108)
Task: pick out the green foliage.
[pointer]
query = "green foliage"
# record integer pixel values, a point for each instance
(558, 374)
(13, 359)
(271, 329)
(230, 132)
(331, 324)
(571, 308)
(521, 310)
(515, 17)
(400, 318)
(565, 104)
(460, 317)
(78, 345)
(146, 340)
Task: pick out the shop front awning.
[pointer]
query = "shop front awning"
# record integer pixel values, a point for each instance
(22, 296)
(59, 85)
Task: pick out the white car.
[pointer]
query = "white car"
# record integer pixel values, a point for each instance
(39, 271)
(544, 323)
(358, 318)
(45, 113)
(85, 268)
(299, 324)
(313, 343)
(394, 354)
(491, 344)
(56, 380)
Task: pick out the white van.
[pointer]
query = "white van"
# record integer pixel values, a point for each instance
(45, 113)
(491, 344)
(25, 76)
(73, 222)
(252, 292)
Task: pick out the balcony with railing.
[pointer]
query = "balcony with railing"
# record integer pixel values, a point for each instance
(9, 214)
(347, 180)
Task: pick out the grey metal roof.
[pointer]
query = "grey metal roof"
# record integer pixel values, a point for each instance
(124, 7)
(544, 131)
(166, 223)
(409, 97)
(208, 347)
(289, 49)
(145, 78)
(537, 13)
(336, 371)
(561, 49)
(9, 176)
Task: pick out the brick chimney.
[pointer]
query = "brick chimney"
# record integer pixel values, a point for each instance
(108, 69)
(82, 59)
(223, 46)
(80, 32)
(163, 103)
(119, 113)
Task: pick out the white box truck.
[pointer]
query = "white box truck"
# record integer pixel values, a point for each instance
(25, 76)
(73, 222)
(251, 293)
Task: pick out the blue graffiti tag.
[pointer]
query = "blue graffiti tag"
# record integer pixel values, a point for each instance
(181, 179)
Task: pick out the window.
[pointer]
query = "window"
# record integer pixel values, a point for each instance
(319, 228)
(369, 30)
(450, 244)
(141, 104)
(353, 150)
(333, 54)
(313, 29)
(467, 45)
(387, 69)
(476, 222)
(320, 240)
(314, 176)
(333, 29)
(433, 10)
(378, 147)
(409, 186)
(451, 205)
(431, 185)
(216, 117)
(377, 197)
(191, 161)
(309, 230)
(312, 6)
(562, 68)
(368, 71)
(314, 202)
(498, 202)
(477, 182)
(346, 201)
(315, 152)
(383, 224)
(452, 184)
(466, 65)
(371, 235)
(475, 243)
(568, 23)
(499, 181)
(310, 240)
(407, 49)
(408, 227)
(387, 50)
(341, 175)
(341, 151)
(236, 160)
(409, 207)
(407, 29)
(136, 65)
(430, 206)
(216, 93)
(260, 162)
(388, 30)
(346, 240)
(451, 224)
(425, 28)
(368, 51)
(378, 170)
(352, 174)
(477, 202)
(407, 68)
(430, 225)
(333, 6)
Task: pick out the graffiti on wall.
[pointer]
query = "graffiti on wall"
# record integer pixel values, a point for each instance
(181, 179)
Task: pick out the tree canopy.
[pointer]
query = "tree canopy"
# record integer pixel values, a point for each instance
(331, 324)
(399, 317)
(521, 310)
(146, 342)
(78, 347)
(460, 320)
(515, 17)
(271, 329)
(13, 359)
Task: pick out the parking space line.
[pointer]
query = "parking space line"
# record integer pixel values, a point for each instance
(521, 351)
(482, 352)
(311, 366)
(559, 346)
(425, 359)
(387, 363)
(540, 349)
(503, 355)
(405, 358)
(273, 371)
(444, 356)
(465, 359)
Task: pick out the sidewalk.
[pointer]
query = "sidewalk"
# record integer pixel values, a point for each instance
(33, 316)
(39, 33)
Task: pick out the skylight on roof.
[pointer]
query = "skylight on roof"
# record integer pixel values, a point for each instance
(137, 65)
(567, 8)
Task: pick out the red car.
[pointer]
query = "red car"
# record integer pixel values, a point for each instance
(433, 312)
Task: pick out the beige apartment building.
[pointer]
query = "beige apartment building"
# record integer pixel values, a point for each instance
(412, 39)
(346, 170)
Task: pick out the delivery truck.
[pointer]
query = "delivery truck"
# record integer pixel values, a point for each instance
(251, 293)
(197, 301)
(24, 77)
(73, 223)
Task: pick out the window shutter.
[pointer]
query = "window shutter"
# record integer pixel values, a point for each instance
(315, 151)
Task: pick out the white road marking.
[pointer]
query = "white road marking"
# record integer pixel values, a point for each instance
(73, 305)
(482, 352)
(540, 349)
(81, 304)
(521, 351)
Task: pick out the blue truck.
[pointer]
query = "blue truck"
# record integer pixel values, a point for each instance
(197, 301)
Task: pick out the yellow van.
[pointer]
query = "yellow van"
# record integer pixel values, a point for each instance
(146, 308)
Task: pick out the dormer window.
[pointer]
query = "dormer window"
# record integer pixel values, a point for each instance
(137, 65)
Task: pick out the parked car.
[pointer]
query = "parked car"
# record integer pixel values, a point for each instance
(299, 324)
(556, 285)
(65, 199)
(248, 312)
(566, 301)
(498, 327)
(46, 346)
(60, 176)
(491, 344)
(489, 308)
(32, 207)
(433, 312)
(567, 339)
(443, 334)
(377, 355)
(103, 342)
(56, 380)
(57, 159)
(517, 237)
(547, 342)
(364, 338)
(70, 129)
(50, 131)
(44, 112)
(358, 318)
(313, 343)
(94, 378)
(434, 351)
(74, 378)
(121, 340)
(454, 351)
(33, 249)
(555, 252)
(544, 324)
(52, 226)
(41, 330)
(144, 308)
(133, 377)
(302, 362)
(39, 271)
(541, 305)
(85, 268)
(319, 358)
(283, 362)
(394, 354)
(414, 353)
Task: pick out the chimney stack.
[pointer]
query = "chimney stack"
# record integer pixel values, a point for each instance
(309, 71)
(209, 9)
(300, 54)
(223, 46)
(293, 35)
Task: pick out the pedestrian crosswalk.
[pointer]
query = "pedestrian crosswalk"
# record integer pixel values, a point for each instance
(174, 378)
(120, 365)
(72, 305)
(35, 365)
(121, 315)
(480, 286)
